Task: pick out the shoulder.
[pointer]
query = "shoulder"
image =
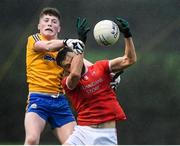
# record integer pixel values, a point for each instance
(35, 37)
(32, 39)
(102, 64)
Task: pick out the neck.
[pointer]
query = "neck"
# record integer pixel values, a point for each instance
(48, 37)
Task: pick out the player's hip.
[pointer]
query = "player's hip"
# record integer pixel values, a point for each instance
(47, 101)
(108, 124)
(86, 135)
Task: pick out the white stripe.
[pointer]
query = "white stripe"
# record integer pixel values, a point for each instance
(36, 37)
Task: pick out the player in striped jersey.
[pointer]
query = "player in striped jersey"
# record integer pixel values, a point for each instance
(46, 101)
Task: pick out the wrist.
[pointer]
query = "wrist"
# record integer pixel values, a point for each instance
(83, 38)
(127, 33)
(65, 42)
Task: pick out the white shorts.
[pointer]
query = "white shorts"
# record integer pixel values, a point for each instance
(85, 135)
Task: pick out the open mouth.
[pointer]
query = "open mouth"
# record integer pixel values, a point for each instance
(48, 29)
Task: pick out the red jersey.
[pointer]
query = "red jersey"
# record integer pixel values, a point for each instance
(93, 98)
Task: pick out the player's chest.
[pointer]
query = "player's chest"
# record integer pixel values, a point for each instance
(92, 82)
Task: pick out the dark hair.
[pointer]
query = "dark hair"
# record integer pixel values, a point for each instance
(62, 55)
(50, 11)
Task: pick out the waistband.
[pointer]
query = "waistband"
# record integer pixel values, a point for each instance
(53, 95)
(109, 124)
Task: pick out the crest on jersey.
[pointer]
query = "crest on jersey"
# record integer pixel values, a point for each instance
(85, 78)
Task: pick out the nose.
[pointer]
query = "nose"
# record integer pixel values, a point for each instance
(49, 23)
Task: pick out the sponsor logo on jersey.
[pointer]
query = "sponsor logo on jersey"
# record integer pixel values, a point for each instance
(49, 58)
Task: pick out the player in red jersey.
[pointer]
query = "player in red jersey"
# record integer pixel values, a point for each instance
(91, 95)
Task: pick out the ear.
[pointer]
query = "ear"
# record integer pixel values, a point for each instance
(59, 29)
(38, 26)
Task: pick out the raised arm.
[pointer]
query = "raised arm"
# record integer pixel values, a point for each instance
(82, 29)
(129, 57)
(75, 71)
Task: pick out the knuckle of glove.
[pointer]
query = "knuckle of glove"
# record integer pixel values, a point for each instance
(78, 47)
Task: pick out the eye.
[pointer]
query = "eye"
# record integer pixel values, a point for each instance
(46, 20)
(54, 21)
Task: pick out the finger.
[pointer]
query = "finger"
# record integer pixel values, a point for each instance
(80, 46)
(87, 29)
(84, 22)
(75, 51)
(77, 22)
(123, 22)
(79, 51)
(112, 83)
(119, 19)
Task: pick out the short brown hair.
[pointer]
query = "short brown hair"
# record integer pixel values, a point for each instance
(50, 11)
(62, 55)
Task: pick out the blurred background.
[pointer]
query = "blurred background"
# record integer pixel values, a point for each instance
(149, 91)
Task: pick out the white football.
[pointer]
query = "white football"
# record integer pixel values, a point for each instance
(106, 32)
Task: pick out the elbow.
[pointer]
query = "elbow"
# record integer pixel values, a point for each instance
(133, 60)
(75, 76)
(74, 79)
(130, 61)
(40, 46)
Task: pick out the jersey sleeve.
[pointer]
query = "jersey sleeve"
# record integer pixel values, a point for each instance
(36, 37)
(32, 40)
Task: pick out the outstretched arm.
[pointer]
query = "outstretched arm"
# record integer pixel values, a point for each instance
(129, 57)
(55, 45)
(52, 45)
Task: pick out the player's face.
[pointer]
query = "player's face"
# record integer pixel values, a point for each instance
(49, 26)
(67, 61)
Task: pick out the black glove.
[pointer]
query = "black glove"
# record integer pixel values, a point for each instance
(116, 78)
(82, 29)
(123, 27)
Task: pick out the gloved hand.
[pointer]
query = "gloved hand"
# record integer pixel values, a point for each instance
(76, 45)
(82, 29)
(123, 27)
(116, 78)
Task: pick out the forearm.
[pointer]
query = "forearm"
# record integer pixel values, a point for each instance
(130, 52)
(129, 57)
(77, 64)
(75, 71)
(52, 45)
